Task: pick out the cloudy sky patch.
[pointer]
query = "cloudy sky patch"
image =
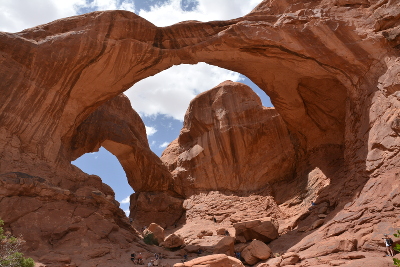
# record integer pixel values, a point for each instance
(164, 145)
(150, 130)
(174, 88)
(126, 200)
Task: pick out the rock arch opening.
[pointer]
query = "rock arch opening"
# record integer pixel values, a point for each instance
(119, 129)
(105, 165)
(162, 100)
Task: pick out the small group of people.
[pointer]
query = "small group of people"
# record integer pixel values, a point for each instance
(139, 259)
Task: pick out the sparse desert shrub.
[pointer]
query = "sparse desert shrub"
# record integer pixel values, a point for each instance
(397, 248)
(9, 250)
(149, 239)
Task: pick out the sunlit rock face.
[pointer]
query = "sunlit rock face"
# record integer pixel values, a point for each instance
(331, 69)
(229, 142)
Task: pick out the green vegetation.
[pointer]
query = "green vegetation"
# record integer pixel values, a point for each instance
(149, 239)
(396, 248)
(9, 250)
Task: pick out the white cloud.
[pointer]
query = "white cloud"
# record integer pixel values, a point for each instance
(127, 6)
(152, 143)
(127, 212)
(111, 5)
(126, 200)
(150, 130)
(171, 91)
(164, 145)
(17, 15)
(206, 10)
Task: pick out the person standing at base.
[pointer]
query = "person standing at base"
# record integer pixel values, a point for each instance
(133, 257)
(389, 245)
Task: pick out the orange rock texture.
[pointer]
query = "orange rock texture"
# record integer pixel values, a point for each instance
(119, 129)
(230, 142)
(330, 67)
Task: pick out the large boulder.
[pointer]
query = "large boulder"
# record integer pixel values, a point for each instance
(173, 241)
(255, 252)
(265, 230)
(225, 246)
(216, 260)
(290, 259)
(156, 230)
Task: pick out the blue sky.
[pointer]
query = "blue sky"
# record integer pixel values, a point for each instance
(162, 99)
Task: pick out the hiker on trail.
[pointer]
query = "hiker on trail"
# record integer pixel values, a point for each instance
(389, 245)
(140, 259)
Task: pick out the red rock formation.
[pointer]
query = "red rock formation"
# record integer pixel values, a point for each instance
(119, 129)
(264, 230)
(255, 252)
(330, 68)
(229, 141)
(217, 260)
(80, 228)
(163, 208)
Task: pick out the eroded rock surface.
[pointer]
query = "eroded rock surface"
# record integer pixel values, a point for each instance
(330, 68)
(217, 260)
(120, 130)
(264, 230)
(229, 142)
(61, 226)
(256, 251)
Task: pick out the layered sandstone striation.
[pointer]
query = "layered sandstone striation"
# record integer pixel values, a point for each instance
(229, 142)
(331, 69)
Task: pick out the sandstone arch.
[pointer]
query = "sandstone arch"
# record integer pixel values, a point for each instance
(54, 76)
(117, 48)
(119, 129)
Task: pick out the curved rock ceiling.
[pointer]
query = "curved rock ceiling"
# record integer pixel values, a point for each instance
(67, 68)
